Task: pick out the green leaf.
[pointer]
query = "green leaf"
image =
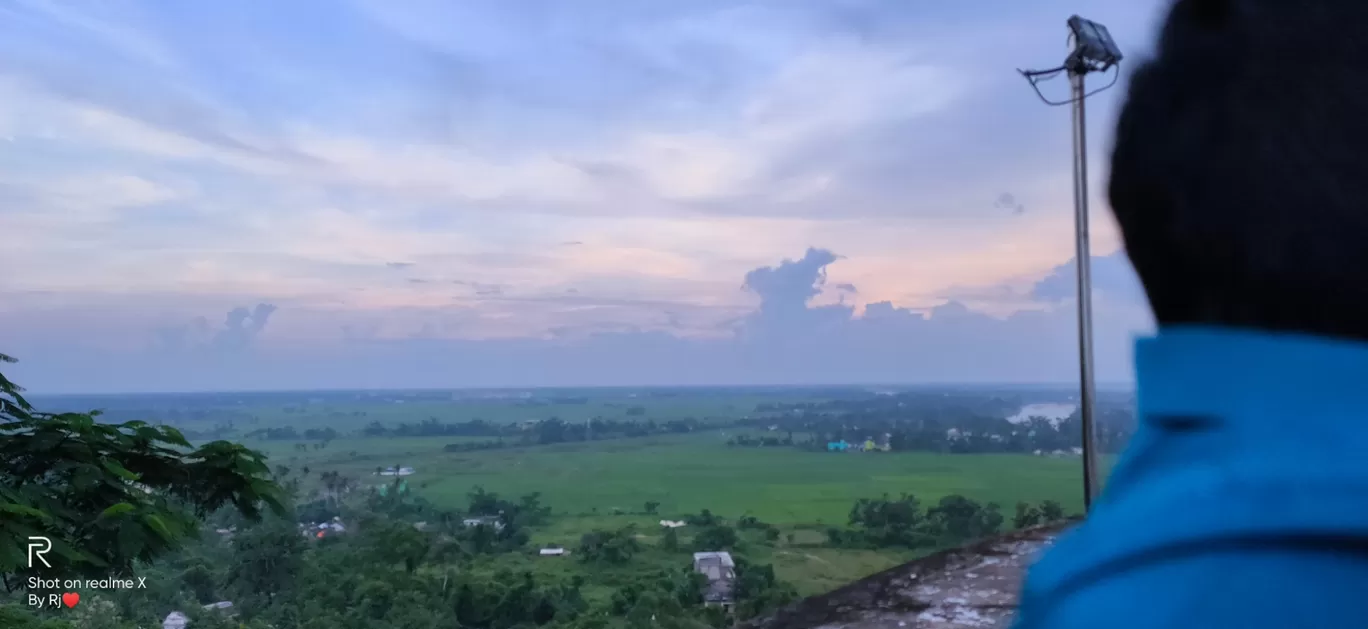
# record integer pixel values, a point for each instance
(19, 509)
(117, 469)
(159, 527)
(116, 510)
(71, 477)
(174, 436)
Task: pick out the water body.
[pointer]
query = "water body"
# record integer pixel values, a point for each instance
(1052, 411)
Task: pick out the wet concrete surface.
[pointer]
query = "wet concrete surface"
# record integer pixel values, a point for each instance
(976, 586)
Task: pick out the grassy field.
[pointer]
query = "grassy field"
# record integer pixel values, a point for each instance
(605, 484)
(687, 473)
(588, 484)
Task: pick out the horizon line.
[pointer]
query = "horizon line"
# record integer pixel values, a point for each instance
(940, 385)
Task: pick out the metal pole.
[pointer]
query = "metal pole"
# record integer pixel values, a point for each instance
(1083, 260)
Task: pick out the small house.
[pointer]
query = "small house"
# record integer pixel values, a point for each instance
(552, 552)
(175, 620)
(485, 520)
(672, 524)
(720, 571)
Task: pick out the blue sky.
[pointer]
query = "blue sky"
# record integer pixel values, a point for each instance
(385, 193)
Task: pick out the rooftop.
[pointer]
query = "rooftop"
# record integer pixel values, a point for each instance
(974, 586)
(715, 558)
(719, 568)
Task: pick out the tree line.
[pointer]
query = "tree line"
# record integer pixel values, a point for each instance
(960, 424)
(953, 520)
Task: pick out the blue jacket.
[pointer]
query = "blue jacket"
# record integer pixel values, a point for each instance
(1241, 502)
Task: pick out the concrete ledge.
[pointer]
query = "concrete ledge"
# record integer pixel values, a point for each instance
(971, 586)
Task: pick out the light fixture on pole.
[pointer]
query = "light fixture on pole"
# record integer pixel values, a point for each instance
(1093, 51)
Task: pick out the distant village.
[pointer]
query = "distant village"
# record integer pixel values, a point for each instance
(869, 445)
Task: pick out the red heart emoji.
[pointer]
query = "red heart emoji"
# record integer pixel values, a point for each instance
(70, 599)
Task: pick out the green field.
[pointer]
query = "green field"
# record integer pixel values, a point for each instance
(605, 483)
(588, 484)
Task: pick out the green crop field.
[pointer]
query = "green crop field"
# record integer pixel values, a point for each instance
(605, 484)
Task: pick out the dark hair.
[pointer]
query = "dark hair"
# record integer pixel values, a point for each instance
(1240, 169)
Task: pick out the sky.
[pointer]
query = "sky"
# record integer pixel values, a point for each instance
(431, 194)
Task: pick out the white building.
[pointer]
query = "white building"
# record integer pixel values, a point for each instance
(175, 620)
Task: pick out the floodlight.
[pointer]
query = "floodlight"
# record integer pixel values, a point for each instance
(1094, 43)
(1093, 51)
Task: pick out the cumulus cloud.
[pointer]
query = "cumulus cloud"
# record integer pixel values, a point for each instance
(239, 330)
(790, 285)
(1113, 277)
(786, 339)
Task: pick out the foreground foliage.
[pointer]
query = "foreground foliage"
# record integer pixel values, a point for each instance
(110, 495)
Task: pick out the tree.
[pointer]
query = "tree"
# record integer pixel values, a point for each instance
(268, 558)
(17, 617)
(651, 507)
(758, 590)
(199, 579)
(609, 546)
(391, 541)
(1026, 516)
(111, 495)
(958, 518)
(715, 537)
(1051, 511)
(704, 518)
(887, 522)
(670, 540)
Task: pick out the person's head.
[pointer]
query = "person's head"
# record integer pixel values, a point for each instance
(1239, 175)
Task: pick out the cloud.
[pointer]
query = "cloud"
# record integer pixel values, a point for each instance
(1008, 201)
(786, 339)
(160, 163)
(1112, 278)
(790, 285)
(240, 328)
(680, 143)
